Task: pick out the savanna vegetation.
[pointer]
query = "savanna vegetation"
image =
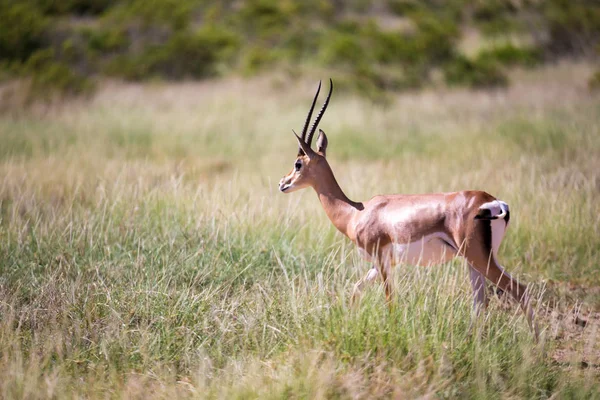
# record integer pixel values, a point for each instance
(145, 251)
(368, 46)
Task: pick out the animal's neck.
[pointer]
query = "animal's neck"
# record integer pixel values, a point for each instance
(338, 207)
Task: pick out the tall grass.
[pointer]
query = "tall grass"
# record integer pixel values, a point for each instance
(146, 252)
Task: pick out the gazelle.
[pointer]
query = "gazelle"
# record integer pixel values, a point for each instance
(419, 229)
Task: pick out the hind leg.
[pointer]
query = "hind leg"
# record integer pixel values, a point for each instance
(480, 300)
(480, 255)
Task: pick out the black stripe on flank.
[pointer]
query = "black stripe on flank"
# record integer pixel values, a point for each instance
(507, 217)
(486, 234)
(484, 213)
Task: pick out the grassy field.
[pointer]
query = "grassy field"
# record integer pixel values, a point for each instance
(145, 250)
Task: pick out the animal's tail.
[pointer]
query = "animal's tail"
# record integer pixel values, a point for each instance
(494, 210)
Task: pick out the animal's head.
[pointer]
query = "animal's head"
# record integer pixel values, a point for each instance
(309, 163)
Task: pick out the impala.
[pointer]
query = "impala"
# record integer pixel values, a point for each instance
(418, 229)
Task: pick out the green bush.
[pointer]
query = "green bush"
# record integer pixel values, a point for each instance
(342, 48)
(22, 29)
(255, 59)
(475, 73)
(146, 39)
(173, 14)
(496, 17)
(573, 26)
(79, 7)
(390, 47)
(104, 40)
(452, 9)
(436, 38)
(49, 76)
(266, 18)
(185, 55)
(300, 42)
(70, 46)
(403, 7)
(510, 55)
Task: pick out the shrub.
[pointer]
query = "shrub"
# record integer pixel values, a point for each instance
(49, 76)
(299, 41)
(22, 28)
(573, 26)
(435, 39)
(265, 18)
(80, 7)
(145, 39)
(255, 59)
(403, 7)
(496, 17)
(510, 55)
(359, 6)
(342, 48)
(448, 9)
(70, 46)
(476, 73)
(390, 47)
(157, 14)
(185, 55)
(103, 40)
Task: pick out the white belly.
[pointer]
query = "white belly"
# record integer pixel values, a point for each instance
(428, 250)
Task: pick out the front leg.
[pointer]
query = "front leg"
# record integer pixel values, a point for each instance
(366, 280)
(386, 266)
(382, 266)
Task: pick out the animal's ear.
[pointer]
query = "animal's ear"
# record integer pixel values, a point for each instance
(303, 148)
(322, 143)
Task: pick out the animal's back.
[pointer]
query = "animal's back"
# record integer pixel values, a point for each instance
(405, 218)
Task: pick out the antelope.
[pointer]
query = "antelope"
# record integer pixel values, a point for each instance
(418, 229)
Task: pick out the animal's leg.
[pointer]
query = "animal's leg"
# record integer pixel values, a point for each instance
(385, 267)
(480, 300)
(366, 280)
(478, 252)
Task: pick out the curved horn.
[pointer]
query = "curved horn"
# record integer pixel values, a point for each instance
(312, 107)
(303, 148)
(320, 115)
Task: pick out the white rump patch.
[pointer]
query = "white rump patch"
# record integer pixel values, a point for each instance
(498, 208)
(498, 230)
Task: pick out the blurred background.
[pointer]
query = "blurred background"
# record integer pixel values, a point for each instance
(372, 47)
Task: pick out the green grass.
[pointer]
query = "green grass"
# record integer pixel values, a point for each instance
(145, 250)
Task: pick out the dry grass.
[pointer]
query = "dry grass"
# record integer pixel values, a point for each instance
(146, 252)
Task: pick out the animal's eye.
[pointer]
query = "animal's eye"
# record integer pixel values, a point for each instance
(298, 165)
